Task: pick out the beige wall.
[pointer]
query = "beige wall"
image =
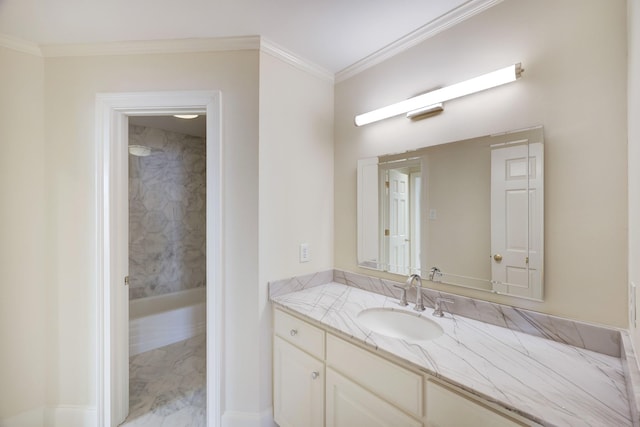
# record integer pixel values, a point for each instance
(24, 282)
(51, 360)
(574, 55)
(459, 184)
(573, 51)
(268, 209)
(70, 90)
(296, 184)
(634, 158)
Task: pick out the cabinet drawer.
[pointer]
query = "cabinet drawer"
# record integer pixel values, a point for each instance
(299, 333)
(393, 383)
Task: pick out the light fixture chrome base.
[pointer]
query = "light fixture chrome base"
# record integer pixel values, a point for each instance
(428, 111)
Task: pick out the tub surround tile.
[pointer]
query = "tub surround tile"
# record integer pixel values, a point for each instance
(167, 213)
(547, 381)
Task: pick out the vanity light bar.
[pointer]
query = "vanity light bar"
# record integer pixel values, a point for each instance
(467, 87)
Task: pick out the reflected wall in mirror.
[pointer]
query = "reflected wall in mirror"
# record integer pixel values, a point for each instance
(467, 213)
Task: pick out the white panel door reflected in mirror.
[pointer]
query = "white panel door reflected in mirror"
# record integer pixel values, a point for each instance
(473, 209)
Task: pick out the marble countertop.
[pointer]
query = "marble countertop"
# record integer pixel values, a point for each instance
(548, 382)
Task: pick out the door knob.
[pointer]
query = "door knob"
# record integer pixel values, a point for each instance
(497, 257)
(315, 374)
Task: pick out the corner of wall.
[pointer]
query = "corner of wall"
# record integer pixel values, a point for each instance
(633, 100)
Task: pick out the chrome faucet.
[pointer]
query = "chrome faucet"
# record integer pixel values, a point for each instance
(419, 304)
(437, 308)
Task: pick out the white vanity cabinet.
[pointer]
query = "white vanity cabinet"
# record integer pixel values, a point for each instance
(298, 372)
(349, 405)
(448, 407)
(366, 390)
(322, 380)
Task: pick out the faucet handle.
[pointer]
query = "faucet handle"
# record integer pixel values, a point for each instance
(435, 275)
(403, 295)
(437, 309)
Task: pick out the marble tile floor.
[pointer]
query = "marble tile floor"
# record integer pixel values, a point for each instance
(167, 386)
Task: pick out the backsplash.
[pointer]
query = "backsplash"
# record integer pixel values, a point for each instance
(167, 217)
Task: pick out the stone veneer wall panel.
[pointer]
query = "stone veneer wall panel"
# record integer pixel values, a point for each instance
(167, 217)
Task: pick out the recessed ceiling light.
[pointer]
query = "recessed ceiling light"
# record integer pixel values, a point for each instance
(185, 116)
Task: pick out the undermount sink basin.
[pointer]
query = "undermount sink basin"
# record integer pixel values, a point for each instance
(399, 324)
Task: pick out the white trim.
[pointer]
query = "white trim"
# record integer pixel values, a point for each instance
(111, 112)
(54, 416)
(454, 17)
(142, 47)
(219, 44)
(289, 57)
(31, 418)
(248, 419)
(20, 45)
(70, 416)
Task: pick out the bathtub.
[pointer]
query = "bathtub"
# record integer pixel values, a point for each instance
(165, 319)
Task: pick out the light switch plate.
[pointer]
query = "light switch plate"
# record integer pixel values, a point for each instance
(305, 256)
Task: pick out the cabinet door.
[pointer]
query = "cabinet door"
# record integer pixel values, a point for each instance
(298, 387)
(350, 405)
(396, 385)
(448, 408)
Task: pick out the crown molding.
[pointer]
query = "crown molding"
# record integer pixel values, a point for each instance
(448, 20)
(152, 47)
(463, 12)
(281, 53)
(20, 45)
(142, 47)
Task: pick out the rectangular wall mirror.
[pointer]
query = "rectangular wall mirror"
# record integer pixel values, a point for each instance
(467, 213)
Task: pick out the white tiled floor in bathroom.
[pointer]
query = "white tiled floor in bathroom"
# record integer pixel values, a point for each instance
(167, 386)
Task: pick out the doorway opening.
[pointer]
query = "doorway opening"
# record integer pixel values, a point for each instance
(113, 112)
(167, 270)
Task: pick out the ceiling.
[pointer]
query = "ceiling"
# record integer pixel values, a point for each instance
(332, 34)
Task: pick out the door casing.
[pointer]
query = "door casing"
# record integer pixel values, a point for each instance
(111, 181)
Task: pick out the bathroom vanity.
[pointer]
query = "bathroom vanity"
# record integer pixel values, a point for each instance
(321, 379)
(331, 370)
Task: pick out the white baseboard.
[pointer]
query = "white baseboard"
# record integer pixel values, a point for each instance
(54, 416)
(71, 416)
(32, 418)
(248, 419)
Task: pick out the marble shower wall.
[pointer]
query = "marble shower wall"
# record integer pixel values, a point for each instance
(167, 217)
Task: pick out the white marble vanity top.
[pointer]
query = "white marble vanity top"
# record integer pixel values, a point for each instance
(549, 382)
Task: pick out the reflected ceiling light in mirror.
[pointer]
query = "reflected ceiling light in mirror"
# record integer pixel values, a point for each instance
(185, 116)
(467, 87)
(139, 150)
